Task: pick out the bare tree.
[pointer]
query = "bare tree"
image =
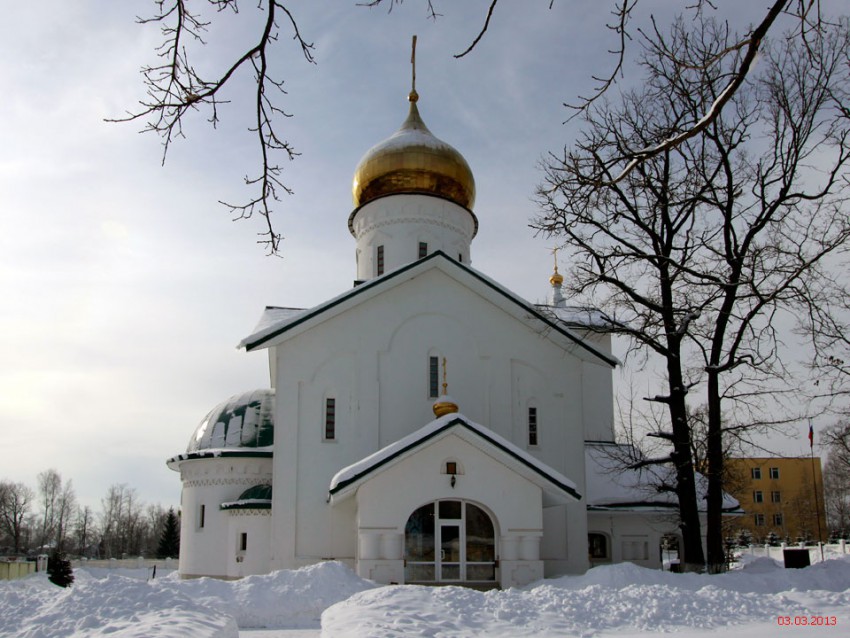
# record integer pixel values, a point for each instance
(66, 504)
(176, 88)
(836, 477)
(699, 250)
(84, 530)
(16, 499)
(49, 492)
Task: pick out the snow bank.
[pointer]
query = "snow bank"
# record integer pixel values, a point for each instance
(613, 599)
(616, 599)
(127, 607)
(285, 598)
(115, 606)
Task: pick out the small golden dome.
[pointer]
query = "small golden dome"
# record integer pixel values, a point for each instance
(556, 279)
(444, 406)
(412, 160)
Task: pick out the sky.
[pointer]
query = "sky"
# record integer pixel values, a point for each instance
(125, 286)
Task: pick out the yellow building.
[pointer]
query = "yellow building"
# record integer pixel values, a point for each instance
(783, 496)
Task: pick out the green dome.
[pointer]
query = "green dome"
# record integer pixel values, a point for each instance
(243, 421)
(256, 497)
(257, 493)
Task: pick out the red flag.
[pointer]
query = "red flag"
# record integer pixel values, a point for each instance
(811, 436)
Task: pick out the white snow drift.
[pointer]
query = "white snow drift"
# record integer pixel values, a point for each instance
(619, 599)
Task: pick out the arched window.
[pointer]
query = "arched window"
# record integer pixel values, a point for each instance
(449, 541)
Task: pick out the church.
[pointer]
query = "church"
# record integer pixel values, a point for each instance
(425, 426)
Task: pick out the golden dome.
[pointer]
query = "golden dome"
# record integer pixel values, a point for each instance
(557, 278)
(444, 407)
(412, 160)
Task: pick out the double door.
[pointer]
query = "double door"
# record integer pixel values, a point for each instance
(450, 541)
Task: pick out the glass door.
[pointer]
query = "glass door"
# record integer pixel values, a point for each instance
(449, 541)
(451, 552)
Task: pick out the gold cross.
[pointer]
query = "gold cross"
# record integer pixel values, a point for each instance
(445, 382)
(554, 252)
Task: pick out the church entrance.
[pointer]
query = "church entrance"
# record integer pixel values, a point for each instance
(450, 541)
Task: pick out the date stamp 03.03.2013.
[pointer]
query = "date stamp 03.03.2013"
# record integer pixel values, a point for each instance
(806, 621)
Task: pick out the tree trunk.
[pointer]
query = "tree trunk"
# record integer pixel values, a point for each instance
(694, 558)
(714, 472)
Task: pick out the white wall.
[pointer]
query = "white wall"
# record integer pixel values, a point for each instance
(211, 482)
(400, 222)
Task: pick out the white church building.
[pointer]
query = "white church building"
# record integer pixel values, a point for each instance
(357, 453)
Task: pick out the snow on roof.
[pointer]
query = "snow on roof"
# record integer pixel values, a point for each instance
(273, 315)
(360, 469)
(610, 485)
(243, 421)
(577, 315)
(267, 330)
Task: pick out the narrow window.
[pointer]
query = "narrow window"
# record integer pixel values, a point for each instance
(532, 426)
(597, 546)
(433, 377)
(756, 471)
(775, 497)
(777, 520)
(758, 497)
(330, 419)
(774, 472)
(380, 260)
(201, 516)
(423, 249)
(460, 258)
(759, 519)
(243, 541)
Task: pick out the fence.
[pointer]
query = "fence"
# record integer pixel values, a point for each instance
(11, 568)
(829, 551)
(126, 563)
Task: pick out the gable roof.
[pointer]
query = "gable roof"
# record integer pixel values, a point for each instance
(269, 330)
(347, 480)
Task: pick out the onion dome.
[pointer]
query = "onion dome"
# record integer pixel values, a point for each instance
(557, 278)
(444, 406)
(412, 160)
(243, 421)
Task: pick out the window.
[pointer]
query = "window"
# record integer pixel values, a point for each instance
(243, 541)
(433, 377)
(775, 497)
(451, 467)
(380, 260)
(330, 419)
(758, 496)
(777, 520)
(460, 258)
(532, 426)
(756, 473)
(774, 472)
(201, 516)
(597, 546)
(759, 520)
(423, 249)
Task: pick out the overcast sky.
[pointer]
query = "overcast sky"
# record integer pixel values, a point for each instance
(125, 287)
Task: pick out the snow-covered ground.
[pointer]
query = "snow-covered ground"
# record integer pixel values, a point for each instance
(760, 600)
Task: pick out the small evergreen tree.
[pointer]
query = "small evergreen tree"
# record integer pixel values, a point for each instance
(745, 539)
(59, 570)
(772, 539)
(169, 542)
